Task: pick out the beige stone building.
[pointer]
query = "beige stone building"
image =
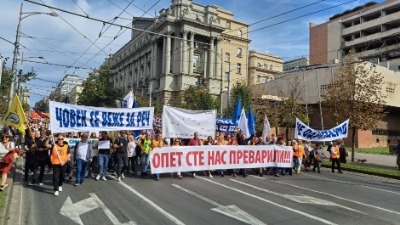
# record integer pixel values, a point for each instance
(263, 67)
(73, 95)
(310, 83)
(194, 46)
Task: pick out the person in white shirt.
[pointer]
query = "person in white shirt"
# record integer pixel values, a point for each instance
(82, 155)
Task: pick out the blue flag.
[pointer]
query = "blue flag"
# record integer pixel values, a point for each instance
(251, 121)
(236, 113)
(134, 103)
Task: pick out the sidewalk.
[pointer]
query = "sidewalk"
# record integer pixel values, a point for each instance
(384, 161)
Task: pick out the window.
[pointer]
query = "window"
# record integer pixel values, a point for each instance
(227, 57)
(228, 24)
(196, 61)
(240, 33)
(239, 52)
(259, 65)
(271, 67)
(238, 68)
(265, 66)
(226, 76)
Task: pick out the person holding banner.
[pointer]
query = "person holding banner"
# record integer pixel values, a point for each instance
(59, 157)
(146, 148)
(195, 141)
(300, 156)
(157, 143)
(335, 155)
(319, 155)
(131, 154)
(104, 146)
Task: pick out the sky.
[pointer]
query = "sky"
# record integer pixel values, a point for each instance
(71, 44)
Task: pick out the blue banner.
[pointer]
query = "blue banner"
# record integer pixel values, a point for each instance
(225, 125)
(305, 132)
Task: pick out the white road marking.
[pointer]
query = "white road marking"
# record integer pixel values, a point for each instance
(151, 203)
(231, 210)
(334, 196)
(270, 202)
(74, 210)
(354, 183)
(299, 198)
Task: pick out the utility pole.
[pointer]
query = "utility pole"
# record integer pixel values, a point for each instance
(229, 89)
(320, 102)
(305, 96)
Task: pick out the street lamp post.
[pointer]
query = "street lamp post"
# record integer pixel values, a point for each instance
(16, 47)
(21, 68)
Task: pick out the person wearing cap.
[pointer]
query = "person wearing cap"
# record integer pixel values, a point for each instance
(59, 157)
(83, 155)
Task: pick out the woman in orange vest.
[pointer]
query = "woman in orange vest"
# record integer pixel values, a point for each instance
(60, 155)
(335, 155)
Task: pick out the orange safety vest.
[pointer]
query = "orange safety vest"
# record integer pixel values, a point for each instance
(300, 151)
(62, 152)
(335, 154)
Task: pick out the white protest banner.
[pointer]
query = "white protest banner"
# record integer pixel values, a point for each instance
(72, 142)
(66, 118)
(305, 132)
(195, 158)
(182, 123)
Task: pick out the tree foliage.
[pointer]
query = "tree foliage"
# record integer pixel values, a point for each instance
(242, 91)
(356, 93)
(42, 106)
(196, 98)
(6, 80)
(97, 90)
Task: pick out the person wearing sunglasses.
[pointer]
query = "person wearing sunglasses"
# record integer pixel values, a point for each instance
(60, 155)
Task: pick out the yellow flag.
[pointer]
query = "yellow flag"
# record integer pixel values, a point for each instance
(15, 115)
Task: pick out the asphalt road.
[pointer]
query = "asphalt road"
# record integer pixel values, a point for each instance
(312, 198)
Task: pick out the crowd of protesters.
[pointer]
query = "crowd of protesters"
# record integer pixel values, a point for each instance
(129, 155)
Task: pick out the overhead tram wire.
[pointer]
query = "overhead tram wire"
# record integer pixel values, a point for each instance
(122, 32)
(61, 65)
(74, 1)
(109, 25)
(145, 12)
(298, 17)
(278, 15)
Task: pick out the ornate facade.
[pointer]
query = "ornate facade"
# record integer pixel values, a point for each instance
(181, 48)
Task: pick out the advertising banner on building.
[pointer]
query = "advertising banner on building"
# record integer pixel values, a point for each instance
(66, 118)
(195, 158)
(305, 132)
(182, 123)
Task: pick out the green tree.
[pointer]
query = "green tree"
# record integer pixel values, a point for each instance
(6, 80)
(42, 106)
(242, 91)
(196, 98)
(97, 90)
(26, 107)
(356, 93)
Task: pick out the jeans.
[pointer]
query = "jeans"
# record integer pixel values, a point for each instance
(103, 164)
(38, 163)
(337, 161)
(58, 176)
(81, 168)
(145, 162)
(122, 163)
(299, 164)
(29, 165)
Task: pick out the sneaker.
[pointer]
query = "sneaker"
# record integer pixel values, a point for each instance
(40, 183)
(56, 193)
(210, 175)
(60, 188)
(157, 178)
(277, 175)
(98, 177)
(104, 178)
(194, 175)
(122, 176)
(76, 184)
(119, 179)
(32, 183)
(180, 177)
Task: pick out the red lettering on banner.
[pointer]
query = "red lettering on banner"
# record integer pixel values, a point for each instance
(251, 156)
(164, 160)
(287, 156)
(257, 158)
(201, 158)
(232, 157)
(217, 158)
(179, 154)
(263, 155)
(279, 156)
(246, 156)
(270, 156)
(239, 156)
(187, 159)
(223, 157)
(172, 159)
(211, 159)
(195, 154)
(156, 160)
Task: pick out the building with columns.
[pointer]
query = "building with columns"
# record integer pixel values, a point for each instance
(263, 67)
(181, 48)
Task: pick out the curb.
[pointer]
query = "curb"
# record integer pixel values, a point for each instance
(10, 180)
(367, 172)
